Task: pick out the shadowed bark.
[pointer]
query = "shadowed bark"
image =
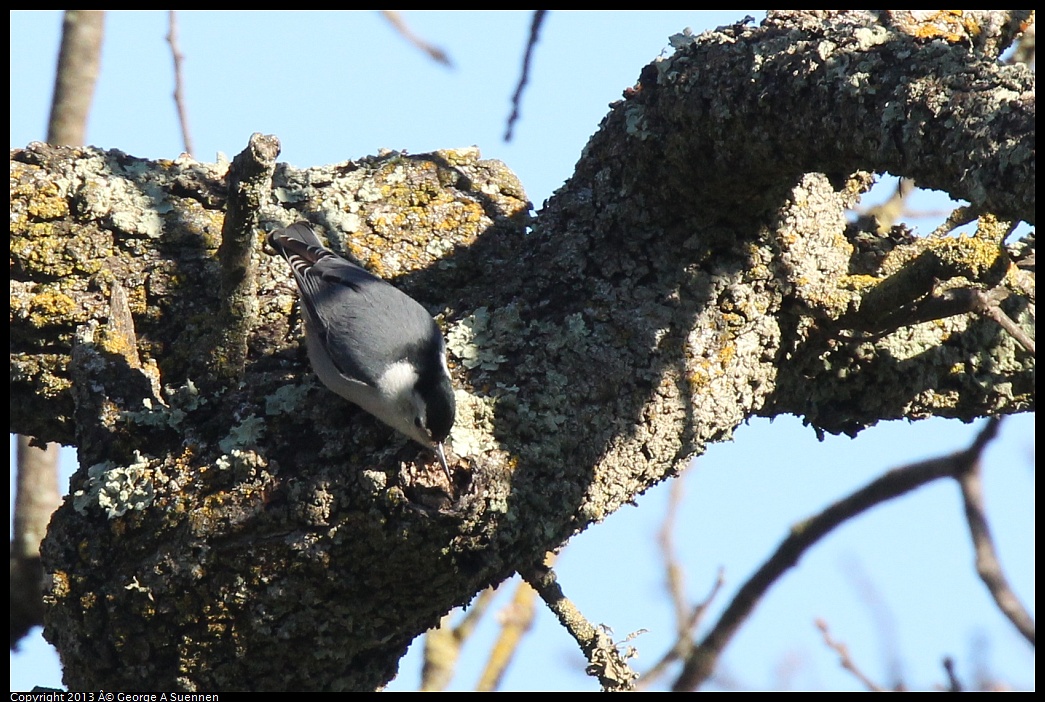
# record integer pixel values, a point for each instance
(696, 270)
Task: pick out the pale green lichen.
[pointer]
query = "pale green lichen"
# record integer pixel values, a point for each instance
(472, 341)
(573, 336)
(242, 462)
(117, 489)
(682, 39)
(289, 195)
(374, 480)
(180, 402)
(132, 207)
(439, 248)
(470, 435)
(869, 37)
(150, 416)
(286, 399)
(243, 435)
(635, 120)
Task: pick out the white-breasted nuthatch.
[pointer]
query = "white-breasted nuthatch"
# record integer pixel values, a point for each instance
(369, 342)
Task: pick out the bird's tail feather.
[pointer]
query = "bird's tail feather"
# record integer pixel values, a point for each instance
(299, 245)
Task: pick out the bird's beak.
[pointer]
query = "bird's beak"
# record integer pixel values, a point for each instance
(442, 460)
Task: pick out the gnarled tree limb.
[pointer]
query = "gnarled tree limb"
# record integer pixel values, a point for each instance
(695, 271)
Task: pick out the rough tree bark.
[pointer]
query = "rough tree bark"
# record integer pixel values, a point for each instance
(37, 494)
(697, 270)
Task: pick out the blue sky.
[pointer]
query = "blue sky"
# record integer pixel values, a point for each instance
(338, 85)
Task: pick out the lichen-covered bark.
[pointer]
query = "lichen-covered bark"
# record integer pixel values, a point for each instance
(697, 270)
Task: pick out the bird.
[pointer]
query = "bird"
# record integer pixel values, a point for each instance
(370, 342)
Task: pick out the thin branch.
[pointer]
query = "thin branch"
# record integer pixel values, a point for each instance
(433, 51)
(949, 303)
(989, 305)
(881, 615)
(899, 481)
(443, 643)
(687, 618)
(605, 661)
(987, 564)
(674, 577)
(535, 29)
(441, 652)
(986, 303)
(958, 217)
(516, 620)
(179, 95)
(846, 661)
(683, 645)
(953, 683)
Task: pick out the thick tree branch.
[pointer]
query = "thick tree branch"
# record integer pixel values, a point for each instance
(79, 59)
(699, 260)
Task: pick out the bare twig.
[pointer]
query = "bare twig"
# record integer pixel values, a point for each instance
(987, 564)
(881, 615)
(951, 302)
(683, 645)
(605, 662)
(441, 652)
(847, 662)
(986, 303)
(443, 644)
(673, 571)
(535, 29)
(516, 620)
(433, 51)
(958, 217)
(989, 305)
(953, 683)
(687, 618)
(701, 663)
(179, 95)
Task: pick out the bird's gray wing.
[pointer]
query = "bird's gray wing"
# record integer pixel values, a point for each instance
(349, 307)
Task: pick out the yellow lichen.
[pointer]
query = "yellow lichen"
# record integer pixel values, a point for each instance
(52, 307)
(47, 203)
(857, 282)
(466, 156)
(118, 344)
